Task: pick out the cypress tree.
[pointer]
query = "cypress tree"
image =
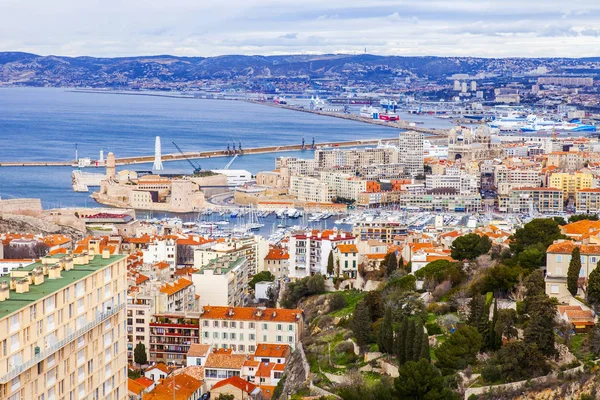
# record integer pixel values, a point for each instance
(386, 333)
(418, 340)
(573, 273)
(361, 324)
(477, 314)
(494, 340)
(424, 353)
(391, 263)
(410, 340)
(400, 342)
(540, 329)
(330, 263)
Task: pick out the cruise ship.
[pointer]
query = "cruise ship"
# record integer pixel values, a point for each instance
(541, 125)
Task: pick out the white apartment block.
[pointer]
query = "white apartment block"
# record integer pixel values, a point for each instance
(253, 248)
(309, 251)
(305, 188)
(223, 282)
(161, 250)
(327, 158)
(62, 329)
(455, 179)
(410, 152)
(243, 328)
(344, 185)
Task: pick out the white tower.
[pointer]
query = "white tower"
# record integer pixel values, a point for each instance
(157, 155)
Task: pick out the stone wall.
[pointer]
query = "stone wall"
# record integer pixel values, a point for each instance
(20, 206)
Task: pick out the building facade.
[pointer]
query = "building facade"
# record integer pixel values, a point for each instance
(410, 152)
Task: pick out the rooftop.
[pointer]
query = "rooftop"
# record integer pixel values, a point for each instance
(224, 263)
(18, 301)
(250, 314)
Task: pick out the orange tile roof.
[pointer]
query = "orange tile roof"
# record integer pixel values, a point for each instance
(160, 366)
(435, 258)
(580, 227)
(225, 361)
(567, 247)
(237, 382)
(347, 248)
(185, 386)
(135, 387)
(376, 256)
(272, 350)
(146, 382)
(198, 350)
(162, 265)
(595, 190)
(420, 246)
(277, 253)
(172, 288)
(251, 314)
(267, 391)
(264, 370)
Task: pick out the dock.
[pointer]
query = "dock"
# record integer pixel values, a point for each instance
(216, 153)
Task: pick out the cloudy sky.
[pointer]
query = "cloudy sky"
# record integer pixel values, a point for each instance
(493, 28)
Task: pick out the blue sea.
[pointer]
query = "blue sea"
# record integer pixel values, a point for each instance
(42, 124)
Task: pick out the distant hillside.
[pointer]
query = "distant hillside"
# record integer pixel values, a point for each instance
(32, 70)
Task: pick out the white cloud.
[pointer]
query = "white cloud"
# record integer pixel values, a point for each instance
(206, 28)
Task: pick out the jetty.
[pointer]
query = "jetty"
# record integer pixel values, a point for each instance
(213, 153)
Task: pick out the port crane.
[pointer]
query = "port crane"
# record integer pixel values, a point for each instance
(196, 168)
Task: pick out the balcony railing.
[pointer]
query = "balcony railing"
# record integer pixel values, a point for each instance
(17, 370)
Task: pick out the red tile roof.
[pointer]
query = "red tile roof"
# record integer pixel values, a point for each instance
(251, 314)
(237, 382)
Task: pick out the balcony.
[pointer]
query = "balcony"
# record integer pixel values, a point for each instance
(59, 345)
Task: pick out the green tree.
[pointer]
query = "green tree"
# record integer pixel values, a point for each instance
(441, 270)
(418, 342)
(573, 272)
(337, 301)
(139, 354)
(499, 278)
(469, 247)
(410, 340)
(532, 257)
(330, 263)
(386, 333)
(360, 324)
(516, 361)
(494, 340)
(593, 288)
(224, 396)
(459, 350)
(580, 217)
(263, 276)
(401, 263)
(419, 380)
(593, 340)
(302, 288)
(391, 263)
(505, 325)
(424, 351)
(374, 304)
(540, 230)
(400, 340)
(541, 324)
(560, 220)
(478, 315)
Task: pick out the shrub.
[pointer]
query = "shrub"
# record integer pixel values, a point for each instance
(337, 301)
(433, 328)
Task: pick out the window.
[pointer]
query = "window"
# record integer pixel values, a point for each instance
(290, 327)
(49, 304)
(251, 325)
(224, 335)
(14, 322)
(216, 324)
(558, 259)
(265, 338)
(252, 337)
(241, 325)
(559, 271)
(232, 336)
(593, 260)
(224, 324)
(205, 324)
(206, 335)
(279, 327)
(215, 335)
(279, 339)
(290, 339)
(232, 324)
(241, 347)
(264, 327)
(554, 289)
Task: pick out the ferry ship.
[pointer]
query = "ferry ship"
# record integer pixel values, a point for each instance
(540, 125)
(389, 117)
(388, 105)
(369, 112)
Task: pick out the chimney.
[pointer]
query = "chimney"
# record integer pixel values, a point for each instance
(4, 291)
(54, 272)
(105, 253)
(68, 263)
(274, 314)
(13, 284)
(230, 312)
(37, 276)
(22, 285)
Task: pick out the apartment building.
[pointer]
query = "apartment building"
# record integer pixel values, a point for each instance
(306, 188)
(62, 328)
(506, 179)
(223, 282)
(243, 328)
(178, 295)
(139, 314)
(277, 262)
(530, 200)
(571, 183)
(252, 248)
(410, 152)
(309, 251)
(566, 160)
(587, 201)
(345, 258)
(327, 158)
(558, 257)
(456, 179)
(382, 230)
(441, 202)
(161, 250)
(171, 335)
